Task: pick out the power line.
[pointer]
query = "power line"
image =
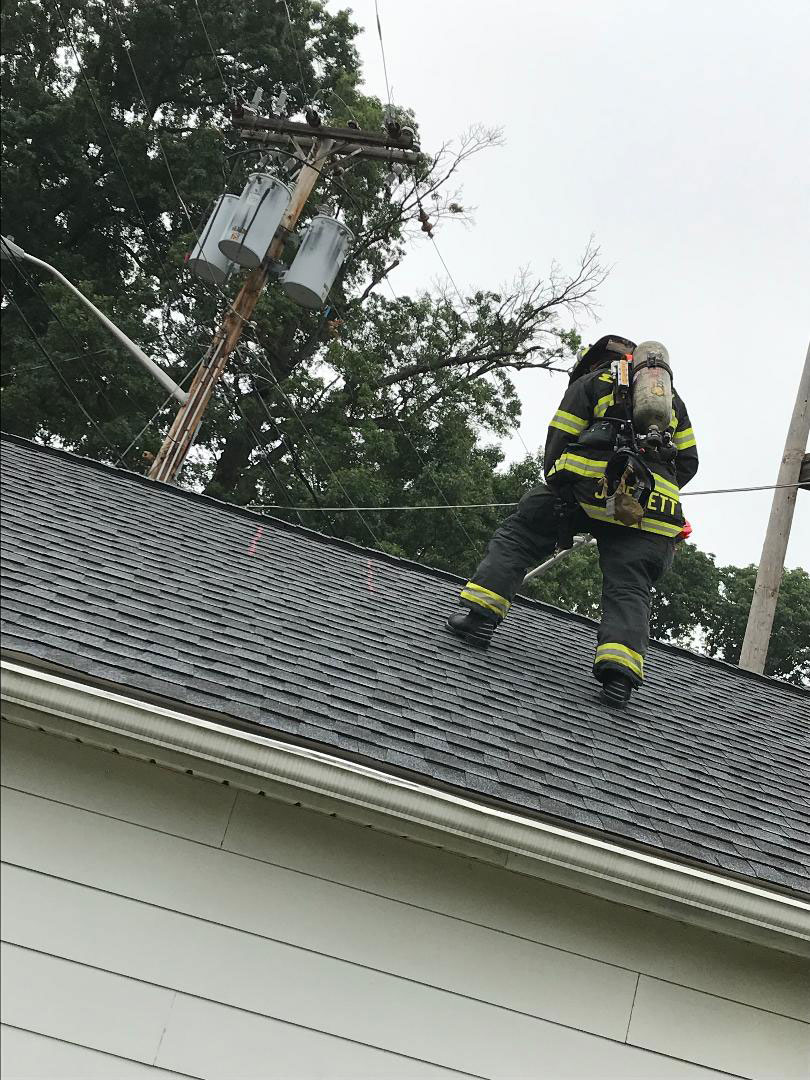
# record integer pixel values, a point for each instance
(469, 327)
(59, 374)
(146, 107)
(157, 413)
(428, 471)
(61, 360)
(304, 89)
(121, 169)
(260, 444)
(320, 453)
(499, 505)
(34, 287)
(382, 50)
(213, 51)
(296, 460)
(461, 299)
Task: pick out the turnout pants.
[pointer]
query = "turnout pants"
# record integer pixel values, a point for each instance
(631, 561)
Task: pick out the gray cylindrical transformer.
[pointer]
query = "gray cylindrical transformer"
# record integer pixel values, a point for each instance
(255, 220)
(206, 260)
(317, 261)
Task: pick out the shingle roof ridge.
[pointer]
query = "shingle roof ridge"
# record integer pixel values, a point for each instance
(396, 560)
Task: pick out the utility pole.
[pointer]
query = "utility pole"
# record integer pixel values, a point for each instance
(314, 144)
(771, 565)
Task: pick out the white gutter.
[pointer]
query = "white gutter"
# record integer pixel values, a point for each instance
(28, 694)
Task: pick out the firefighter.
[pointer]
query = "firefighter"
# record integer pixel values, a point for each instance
(581, 441)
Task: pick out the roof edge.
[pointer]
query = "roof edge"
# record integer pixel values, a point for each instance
(559, 854)
(520, 600)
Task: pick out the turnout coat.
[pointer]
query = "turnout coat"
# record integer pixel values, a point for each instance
(579, 444)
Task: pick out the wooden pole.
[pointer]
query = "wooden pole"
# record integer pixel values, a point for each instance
(184, 428)
(771, 565)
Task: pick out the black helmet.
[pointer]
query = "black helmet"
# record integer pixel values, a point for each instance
(606, 348)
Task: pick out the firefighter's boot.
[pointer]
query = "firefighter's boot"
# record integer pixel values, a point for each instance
(616, 689)
(475, 629)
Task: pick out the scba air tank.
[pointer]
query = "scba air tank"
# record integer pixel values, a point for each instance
(652, 389)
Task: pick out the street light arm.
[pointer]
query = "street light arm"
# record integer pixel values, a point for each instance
(14, 251)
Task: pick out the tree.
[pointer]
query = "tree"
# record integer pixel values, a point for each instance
(94, 103)
(789, 647)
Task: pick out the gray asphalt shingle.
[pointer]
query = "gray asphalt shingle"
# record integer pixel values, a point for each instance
(115, 577)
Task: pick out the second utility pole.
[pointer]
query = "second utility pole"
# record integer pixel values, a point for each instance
(769, 577)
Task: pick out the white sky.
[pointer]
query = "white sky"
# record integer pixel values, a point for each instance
(677, 133)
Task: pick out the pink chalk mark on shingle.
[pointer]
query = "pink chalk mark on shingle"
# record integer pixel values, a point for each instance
(370, 577)
(255, 540)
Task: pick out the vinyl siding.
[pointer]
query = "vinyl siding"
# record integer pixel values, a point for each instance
(171, 921)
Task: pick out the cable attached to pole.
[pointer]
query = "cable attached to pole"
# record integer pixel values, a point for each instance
(504, 505)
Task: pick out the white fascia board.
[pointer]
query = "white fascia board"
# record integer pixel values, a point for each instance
(559, 854)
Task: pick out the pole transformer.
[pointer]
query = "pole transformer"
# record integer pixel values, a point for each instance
(315, 145)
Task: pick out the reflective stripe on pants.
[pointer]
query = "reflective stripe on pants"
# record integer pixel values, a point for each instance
(632, 561)
(525, 539)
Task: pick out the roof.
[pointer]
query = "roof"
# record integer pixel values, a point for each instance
(169, 593)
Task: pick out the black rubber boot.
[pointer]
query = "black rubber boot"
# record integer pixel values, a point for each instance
(475, 629)
(616, 690)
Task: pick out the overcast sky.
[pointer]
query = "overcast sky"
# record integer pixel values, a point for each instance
(677, 133)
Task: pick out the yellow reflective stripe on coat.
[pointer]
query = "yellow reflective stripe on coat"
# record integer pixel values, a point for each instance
(651, 525)
(673, 422)
(603, 404)
(684, 439)
(620, 654)
(477, 594)
(568, 422)
(582, 466)
(666, 487)
(660, 528)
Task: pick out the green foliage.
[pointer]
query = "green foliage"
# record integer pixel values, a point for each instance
(789, 648)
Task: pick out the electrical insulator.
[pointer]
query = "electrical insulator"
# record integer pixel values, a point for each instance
(254, 222)
(206, 260)
(317, 262)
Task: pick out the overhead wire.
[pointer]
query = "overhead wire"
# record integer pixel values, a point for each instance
(226, 390)
(505, 505)
(61, 360)
(228, 92)
(304, 87)
(426, 467)
(261, 445)
(298, 466)
(38, 292)
(113, 147)
(268, 368)
(146, 107)
(52, 363)
(157, 413)
(121, 169)
(382, 50)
